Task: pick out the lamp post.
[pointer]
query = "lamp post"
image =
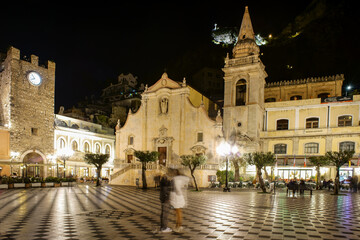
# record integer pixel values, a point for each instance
(226, 150)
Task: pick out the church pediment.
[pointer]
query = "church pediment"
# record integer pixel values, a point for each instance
(163, 82)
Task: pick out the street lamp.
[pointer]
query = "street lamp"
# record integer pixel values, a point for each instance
(226, 150)
(348, 88)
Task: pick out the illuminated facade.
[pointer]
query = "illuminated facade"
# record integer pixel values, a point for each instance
(78, 137)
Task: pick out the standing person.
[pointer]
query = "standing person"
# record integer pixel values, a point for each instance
(178, 197)
(165, 189)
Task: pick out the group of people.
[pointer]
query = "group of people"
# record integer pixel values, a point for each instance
(173, 186)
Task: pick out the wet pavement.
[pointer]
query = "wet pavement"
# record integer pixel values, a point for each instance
(120, 212)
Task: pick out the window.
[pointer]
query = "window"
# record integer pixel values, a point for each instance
(86, 147)
(312, 123)
(131, 140)
(107, 149)
(74, 146)
(296, 97)
(200, 137)
(344, 121)
(97, 148)
(311, 148)
(61, 143)
(282, 124)
(240, 93)
(34, 131)
(130, 158)
(347, 146)
(270, 100)
(280, 148)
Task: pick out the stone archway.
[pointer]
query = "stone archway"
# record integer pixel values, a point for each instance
(34, 165)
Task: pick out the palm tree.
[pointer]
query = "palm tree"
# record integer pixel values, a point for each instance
(193, 161)
(97, 159)
(338, 159)
(145, 157)
(260, 160)
(318, 161)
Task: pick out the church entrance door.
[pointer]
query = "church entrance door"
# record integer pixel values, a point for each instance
(34, 165)
(162, 155)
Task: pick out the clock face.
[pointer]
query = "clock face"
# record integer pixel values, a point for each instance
(34, 78)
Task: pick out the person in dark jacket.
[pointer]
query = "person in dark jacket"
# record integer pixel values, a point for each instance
(165, 189)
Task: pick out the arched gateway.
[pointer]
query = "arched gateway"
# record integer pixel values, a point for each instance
(34, 163)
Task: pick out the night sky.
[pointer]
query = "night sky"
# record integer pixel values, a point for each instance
(92, 44)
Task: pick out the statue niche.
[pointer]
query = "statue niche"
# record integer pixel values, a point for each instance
(164, 105)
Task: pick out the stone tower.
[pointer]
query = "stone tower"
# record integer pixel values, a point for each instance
(244, 89)
(27, 100)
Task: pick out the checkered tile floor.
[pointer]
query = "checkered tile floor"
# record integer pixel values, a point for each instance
(119, 212)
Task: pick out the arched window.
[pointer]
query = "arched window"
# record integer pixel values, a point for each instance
(240, 93)
(107, 149)
(296, 97)
(312, 123)
(344, 121)
(74, 146)
(97, 148)
(86, 147)
(280, 148)
(61, 143)
(282, 124)
(347, 146)
(131, 140)
(311, 148)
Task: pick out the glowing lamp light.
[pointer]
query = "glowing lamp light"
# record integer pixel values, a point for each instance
(65, 152)
(348, 87)
(223, 149)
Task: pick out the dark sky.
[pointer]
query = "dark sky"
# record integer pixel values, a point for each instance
(92, 44)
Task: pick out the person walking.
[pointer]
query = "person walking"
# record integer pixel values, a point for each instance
(178, 197)
(165, 189)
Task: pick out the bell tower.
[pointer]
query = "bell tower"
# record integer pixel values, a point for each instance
(244, 89)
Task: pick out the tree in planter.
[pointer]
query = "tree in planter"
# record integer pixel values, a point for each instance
(338, 159)
(237, 162)
(192, 162)
(98, 160)
(260, 160)
(145, 157)
(318, 161)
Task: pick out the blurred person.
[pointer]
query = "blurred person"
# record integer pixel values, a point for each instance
(165, 189)
(178, 197)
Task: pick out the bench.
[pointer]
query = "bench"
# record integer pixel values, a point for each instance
(298, 187)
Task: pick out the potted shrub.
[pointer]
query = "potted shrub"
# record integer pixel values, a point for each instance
(49, 181)
(10, 182)
(4, 183)
(19, 183)
(43, 183)
(35, 182)
(27, 182)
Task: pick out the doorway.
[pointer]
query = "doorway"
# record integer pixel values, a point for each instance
(162, 155)
(34, 164)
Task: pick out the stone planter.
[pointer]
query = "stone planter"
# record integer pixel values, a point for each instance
(4, 186)
(65, 184)
(36, 184)
(49, 184)
(19, 185)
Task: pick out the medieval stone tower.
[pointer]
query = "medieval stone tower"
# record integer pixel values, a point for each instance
(244, 89)
(27, 108)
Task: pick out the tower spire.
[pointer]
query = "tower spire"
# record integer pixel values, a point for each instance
(246, 45)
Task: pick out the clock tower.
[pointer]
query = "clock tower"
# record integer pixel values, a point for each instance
(244, 89)
(27, 110)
